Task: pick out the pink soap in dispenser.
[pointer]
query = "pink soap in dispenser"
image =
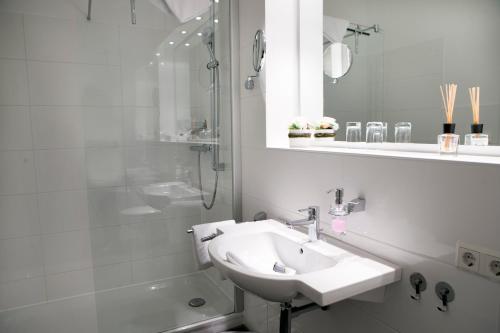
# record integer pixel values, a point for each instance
(338, 210)
(338, 226)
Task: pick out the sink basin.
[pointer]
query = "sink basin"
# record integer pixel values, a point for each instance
(325, 273)
(161, 195)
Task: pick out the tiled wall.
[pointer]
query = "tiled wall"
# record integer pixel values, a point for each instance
(76, 100)
(416, 211)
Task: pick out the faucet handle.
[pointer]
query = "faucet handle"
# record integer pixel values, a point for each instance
(312, 211)
(308, 210)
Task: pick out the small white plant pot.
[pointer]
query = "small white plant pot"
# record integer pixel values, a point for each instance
(324, 136)
(300, 138)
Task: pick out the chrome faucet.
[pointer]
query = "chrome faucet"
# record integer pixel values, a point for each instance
(312, 221)
(342, 209)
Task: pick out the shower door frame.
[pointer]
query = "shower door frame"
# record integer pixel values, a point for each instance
(234, 32)
(234, 83)
(235, 318)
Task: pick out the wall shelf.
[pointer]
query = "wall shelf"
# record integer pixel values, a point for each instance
(478, 155)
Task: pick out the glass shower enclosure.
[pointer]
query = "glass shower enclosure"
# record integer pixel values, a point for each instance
(117, 138)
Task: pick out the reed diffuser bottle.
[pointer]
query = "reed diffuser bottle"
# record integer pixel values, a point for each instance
(476, 137)
(448, 141)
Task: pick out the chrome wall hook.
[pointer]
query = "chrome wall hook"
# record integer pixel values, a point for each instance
(419, 283)
(446, 294)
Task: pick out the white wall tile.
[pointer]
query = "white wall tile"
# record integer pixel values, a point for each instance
(17, 174)
(253, 116)
(18, 216)
(113, 276)
(53, 8)
(105, 167)
(60, 170)
(15, 128)
(111, 245)
(142, 238)
(105, 206)
(57, 127)
(13, 82)
(21, 292)
(162, 267)
(141, 124)
(140, 80)
(256, 318)
(76, 315)
(102, 126)
(20, 258)
(178, 240)
(251, 18)
(61, 40)
(107, 11)
(73, 84)
(66, 251)
(63, 211)
(69, 284)
(11, 36)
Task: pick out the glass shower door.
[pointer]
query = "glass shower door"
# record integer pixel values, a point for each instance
(172, 183)
(110, 125)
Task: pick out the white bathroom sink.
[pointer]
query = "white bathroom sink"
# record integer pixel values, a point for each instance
(161, 195)
(247, 252)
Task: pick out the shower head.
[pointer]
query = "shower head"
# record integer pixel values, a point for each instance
(207, 36)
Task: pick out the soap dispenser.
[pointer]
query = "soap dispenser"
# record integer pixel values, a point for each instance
(338, 210)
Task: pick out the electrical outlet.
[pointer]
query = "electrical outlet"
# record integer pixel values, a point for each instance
(468, 259)
(478, 260)
(490, 267)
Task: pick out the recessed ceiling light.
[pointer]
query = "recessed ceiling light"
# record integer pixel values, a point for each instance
(198, 18)
(199, 34)
(183, 32)
(171, 43)
(216, 1)
(216, 20)
(158, 54)
(162, 63)
(150, 62)
(187, 44)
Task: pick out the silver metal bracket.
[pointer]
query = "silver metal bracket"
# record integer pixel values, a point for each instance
(356, 205)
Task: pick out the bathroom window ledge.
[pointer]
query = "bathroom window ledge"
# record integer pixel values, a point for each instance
(466, 154)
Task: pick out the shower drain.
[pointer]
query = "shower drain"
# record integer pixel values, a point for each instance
(196, 302)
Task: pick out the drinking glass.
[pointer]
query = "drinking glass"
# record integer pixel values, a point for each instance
(384, 126)
(374, 132)
(402, 132)
(353, 131)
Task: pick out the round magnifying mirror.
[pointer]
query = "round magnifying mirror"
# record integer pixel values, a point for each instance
(259, 51)
(337, 60)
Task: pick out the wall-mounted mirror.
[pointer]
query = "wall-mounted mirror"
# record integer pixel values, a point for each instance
(397, 69)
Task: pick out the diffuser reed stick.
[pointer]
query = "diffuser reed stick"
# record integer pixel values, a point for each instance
(474, 101)
(448, 95)
(476, 137)
(448, 141)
